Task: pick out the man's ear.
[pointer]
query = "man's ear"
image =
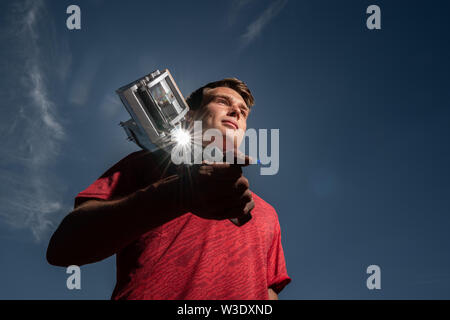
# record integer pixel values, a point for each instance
(190, 115)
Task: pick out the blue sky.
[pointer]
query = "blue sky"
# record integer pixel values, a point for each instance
(363, 118)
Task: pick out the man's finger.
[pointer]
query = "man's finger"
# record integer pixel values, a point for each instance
(238, 158)
(243, 160)
(224, 171)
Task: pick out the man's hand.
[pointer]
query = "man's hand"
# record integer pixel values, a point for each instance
(218, 190)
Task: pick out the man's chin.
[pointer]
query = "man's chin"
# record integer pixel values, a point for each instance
(231, 138)
(227, 144)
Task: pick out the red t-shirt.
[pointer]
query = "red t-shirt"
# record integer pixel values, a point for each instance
(190, 257)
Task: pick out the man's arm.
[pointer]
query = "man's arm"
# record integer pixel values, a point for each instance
(272, 295)
(98, 229)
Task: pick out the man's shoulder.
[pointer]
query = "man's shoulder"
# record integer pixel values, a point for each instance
(264, 206)
(263, 203)
(139, 155)
(147, 165)
(143, 157)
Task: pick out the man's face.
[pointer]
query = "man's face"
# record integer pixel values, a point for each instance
(224, 109)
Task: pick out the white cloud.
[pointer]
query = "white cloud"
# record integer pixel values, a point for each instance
(83, 79)
(255, 28)
(40, 99)
(111, 105)
(30, 128)
(236, 7)
(29, 202)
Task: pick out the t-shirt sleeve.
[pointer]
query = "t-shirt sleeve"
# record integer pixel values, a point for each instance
(118, 181)
(277, 273)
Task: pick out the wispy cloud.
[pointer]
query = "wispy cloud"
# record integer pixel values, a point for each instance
(111, 105)
(83, 79)
(30, 128)
(236, 7)
(255, 28)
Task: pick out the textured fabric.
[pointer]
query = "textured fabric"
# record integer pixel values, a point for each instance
(190, 257)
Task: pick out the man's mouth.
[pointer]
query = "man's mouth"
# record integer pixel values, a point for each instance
(230, 124)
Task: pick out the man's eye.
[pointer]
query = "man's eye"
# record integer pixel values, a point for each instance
(223, 101)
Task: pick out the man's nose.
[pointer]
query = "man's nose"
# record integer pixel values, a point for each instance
(234, 112)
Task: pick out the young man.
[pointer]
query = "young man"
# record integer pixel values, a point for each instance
(170, 228)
